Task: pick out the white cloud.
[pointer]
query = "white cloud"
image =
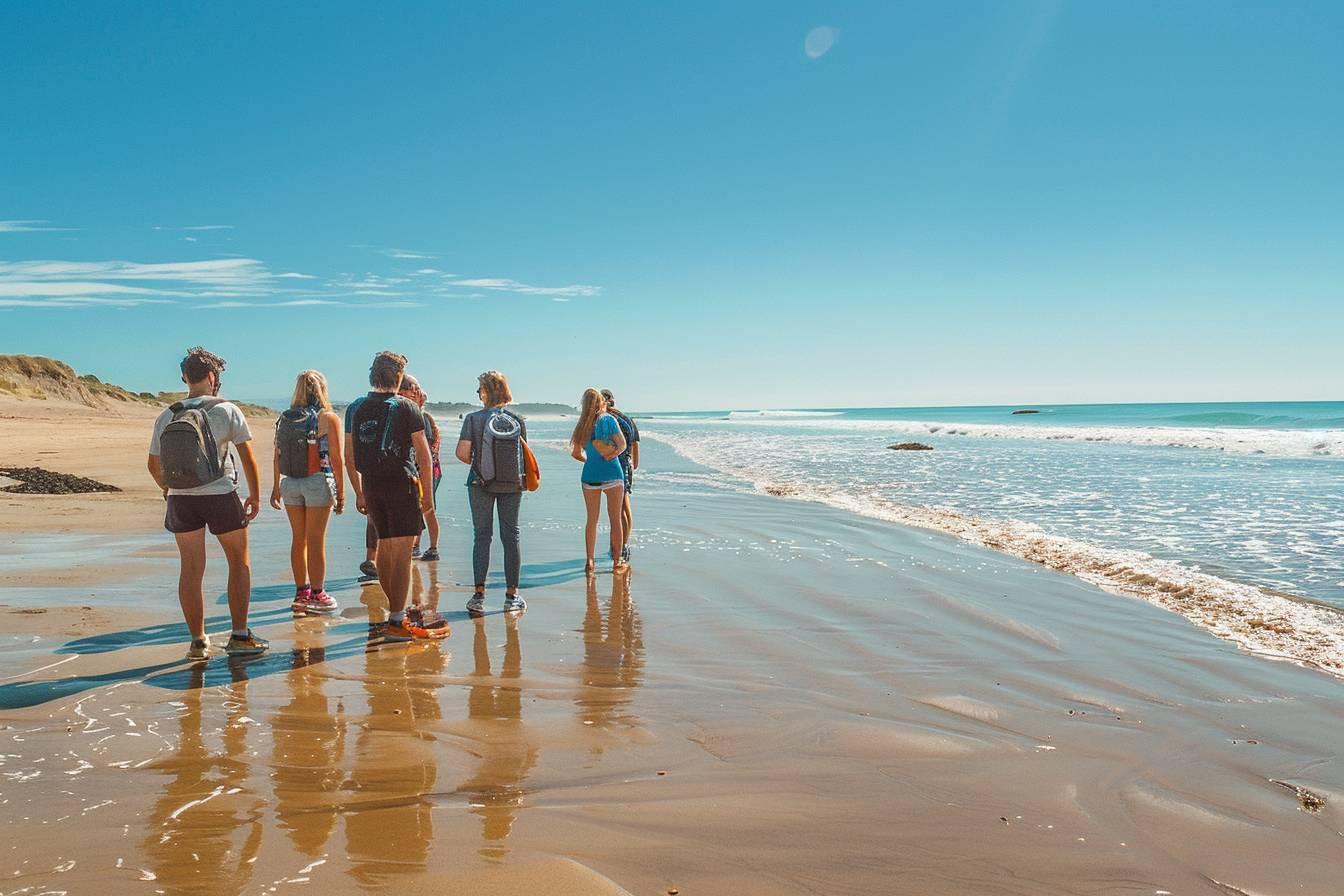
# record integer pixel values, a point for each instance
(404, 253)
(82, 283)
(293, 303)
(291, 275)
(505, 284)
(820, 40)
(28, 227)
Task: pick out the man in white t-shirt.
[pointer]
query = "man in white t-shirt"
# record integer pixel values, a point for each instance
(213, 504)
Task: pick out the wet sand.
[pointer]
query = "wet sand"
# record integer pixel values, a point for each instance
(779, 698)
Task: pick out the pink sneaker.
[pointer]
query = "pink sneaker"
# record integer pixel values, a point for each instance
(320, 603)
(301, 597)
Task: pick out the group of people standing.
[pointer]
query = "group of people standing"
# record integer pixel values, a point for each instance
(386, 449)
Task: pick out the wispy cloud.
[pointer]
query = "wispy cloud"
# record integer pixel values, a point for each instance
(405, 253)
(505, 284)
(299, 303)
(29, 227)
(75, 283)
(239, 282)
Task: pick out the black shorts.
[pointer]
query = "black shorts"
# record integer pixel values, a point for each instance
(629, 479)
(394, 507)
(190, 513)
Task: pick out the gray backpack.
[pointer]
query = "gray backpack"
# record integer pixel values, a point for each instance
(188, 454)
(499, 454)
(296, 440)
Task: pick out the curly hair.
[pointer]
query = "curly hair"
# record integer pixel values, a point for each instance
(199, 363)
(386, 369)
(496, 386)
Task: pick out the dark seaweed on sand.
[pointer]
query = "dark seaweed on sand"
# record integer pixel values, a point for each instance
(36, 481)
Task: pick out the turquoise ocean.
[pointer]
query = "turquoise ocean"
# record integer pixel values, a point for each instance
(1230, 513)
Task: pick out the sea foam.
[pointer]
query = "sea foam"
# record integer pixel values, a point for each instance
(1271, 623)
(1273, 442)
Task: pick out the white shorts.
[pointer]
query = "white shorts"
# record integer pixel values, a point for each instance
(603, 486)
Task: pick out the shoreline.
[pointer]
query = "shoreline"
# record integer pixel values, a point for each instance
(1265, 622)
(779, 698)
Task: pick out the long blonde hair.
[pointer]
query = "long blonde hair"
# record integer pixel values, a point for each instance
(591, 407)
(310, 390)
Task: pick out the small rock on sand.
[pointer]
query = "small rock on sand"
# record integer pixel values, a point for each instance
(910, 446)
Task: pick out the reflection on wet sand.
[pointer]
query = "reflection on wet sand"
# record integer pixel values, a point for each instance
(506, 749)
(309, 749)
(204, 830)
(613, 657)
(388, 816)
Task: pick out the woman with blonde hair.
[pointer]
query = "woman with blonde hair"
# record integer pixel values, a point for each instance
(310, 478)
(597, 442)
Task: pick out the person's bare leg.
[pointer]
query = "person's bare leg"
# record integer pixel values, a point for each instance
(615, 507)
(394, 570)
(592, 503)
(315, 528)
(298, 544)
(627, 520)
(432, 524)
(191, 547)
(240, 575)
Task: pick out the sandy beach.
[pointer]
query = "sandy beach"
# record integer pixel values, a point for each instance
(778, 698)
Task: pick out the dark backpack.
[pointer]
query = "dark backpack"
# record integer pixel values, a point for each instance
(376, 451)
(498, 460)
(188, 453)
(295, 437)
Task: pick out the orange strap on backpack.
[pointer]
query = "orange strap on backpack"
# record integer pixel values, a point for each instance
(531, 472)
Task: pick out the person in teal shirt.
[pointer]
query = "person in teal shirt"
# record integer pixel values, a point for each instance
(597, 442)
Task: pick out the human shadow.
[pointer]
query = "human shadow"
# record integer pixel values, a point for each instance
(23, 694)
(153, 635)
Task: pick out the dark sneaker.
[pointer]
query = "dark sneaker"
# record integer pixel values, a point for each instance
(476, 606)
(369, 570)
(514, 603)
(199, 650)
(415, 553)
(249, 646)
(430, 555)
(379, 633)
(426, 618)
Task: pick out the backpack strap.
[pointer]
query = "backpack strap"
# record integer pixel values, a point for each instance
(392, 406)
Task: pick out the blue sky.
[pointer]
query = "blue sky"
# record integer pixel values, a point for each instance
(703, 205)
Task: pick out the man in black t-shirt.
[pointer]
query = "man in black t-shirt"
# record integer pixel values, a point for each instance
(387, 459)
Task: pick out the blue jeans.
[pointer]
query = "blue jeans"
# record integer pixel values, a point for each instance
(483, 519)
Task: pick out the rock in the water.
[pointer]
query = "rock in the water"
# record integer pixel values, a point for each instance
(1026, 411)
(911, 446)
(36, 481)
